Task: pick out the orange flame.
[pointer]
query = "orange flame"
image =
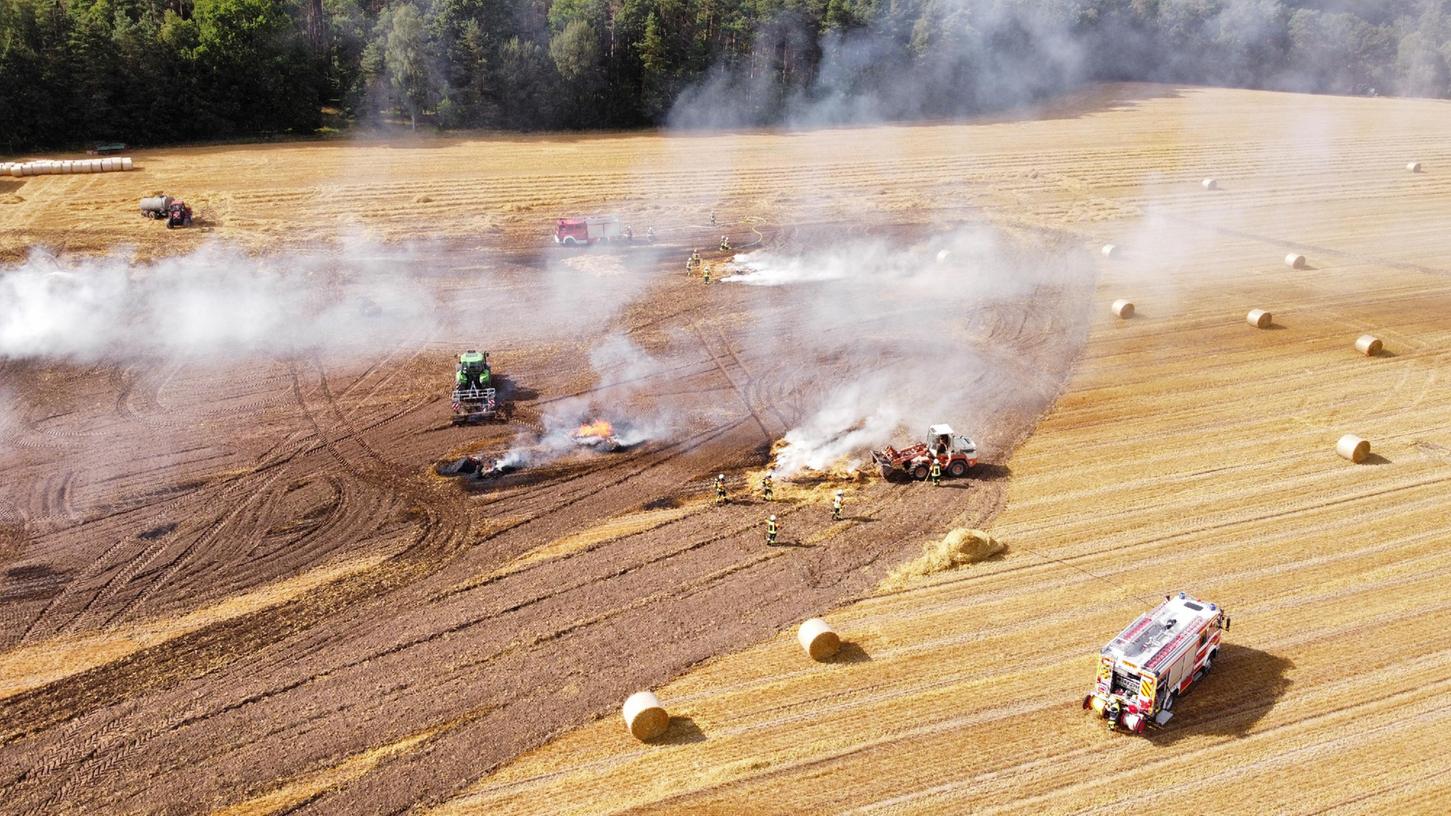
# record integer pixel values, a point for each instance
(599, 427)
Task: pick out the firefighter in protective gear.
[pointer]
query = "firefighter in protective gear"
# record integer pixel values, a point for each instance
(725, 244)
(766, 491)
(706, 268)
(712, 218)
(720, 490)
(771, 531)
(1111, 711)
(936, 473)
(837, 500)
(650, 234)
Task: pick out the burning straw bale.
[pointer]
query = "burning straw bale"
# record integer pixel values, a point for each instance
(958, 548)
(809, 485)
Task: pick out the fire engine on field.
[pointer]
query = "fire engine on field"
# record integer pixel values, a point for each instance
(1154, 661)
(593, 229)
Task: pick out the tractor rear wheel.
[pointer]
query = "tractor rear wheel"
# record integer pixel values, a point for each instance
(919, 472)
(957, 468)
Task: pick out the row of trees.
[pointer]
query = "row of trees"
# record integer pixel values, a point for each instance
(175, 70)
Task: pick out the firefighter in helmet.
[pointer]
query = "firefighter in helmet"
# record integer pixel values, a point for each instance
(766, 490)
(1111, 711)
(771, 531)
(725, 243)
(936, 472)
(837, 500)
(705, 275)
(720, 489)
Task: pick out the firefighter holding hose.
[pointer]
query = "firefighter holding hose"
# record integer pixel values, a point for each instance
(935, 473)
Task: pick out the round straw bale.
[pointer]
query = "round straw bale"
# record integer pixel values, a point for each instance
(1123, 308)
(1353, 448)
(1210, 184)
(1414, 167)
(1368, 344)
(818, 639)
(1109, 250)
(644, 716)
(1259, 318)
(126, 163)
(1295, 261)
(943, 255)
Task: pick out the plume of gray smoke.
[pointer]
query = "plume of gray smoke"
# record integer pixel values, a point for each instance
(350, 301)
(923, 332)
(954, 57)
(623, 370)
(213, 301)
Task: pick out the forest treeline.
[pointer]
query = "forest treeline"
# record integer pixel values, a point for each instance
(150, 71)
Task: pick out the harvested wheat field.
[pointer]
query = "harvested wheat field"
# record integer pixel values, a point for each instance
(236, 582)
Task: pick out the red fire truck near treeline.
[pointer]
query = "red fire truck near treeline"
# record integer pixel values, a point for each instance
(1154, 661)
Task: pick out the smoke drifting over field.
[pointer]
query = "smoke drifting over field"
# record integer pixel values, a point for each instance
(219, 300)
(213, 301)
(916, 328)
(954, 57)
(621, 367)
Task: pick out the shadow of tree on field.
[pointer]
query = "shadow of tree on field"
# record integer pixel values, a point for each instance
(1244, 685)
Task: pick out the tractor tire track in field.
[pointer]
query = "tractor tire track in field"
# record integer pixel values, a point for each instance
(203, 486)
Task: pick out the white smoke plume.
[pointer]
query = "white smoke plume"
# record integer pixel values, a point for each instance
(354, 300)
(215, 300)
(891, 336)
(623, 370)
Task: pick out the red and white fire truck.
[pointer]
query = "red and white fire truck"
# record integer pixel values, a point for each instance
(592, 229)
(1154, 661)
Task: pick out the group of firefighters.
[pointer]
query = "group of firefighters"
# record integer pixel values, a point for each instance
(695, 263)
(838, 503)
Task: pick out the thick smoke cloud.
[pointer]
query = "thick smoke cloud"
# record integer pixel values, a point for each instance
(887, 336)
(213, 301)
(350, 301)
(953, 57)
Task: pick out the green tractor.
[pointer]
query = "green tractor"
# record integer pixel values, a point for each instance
(473, 388)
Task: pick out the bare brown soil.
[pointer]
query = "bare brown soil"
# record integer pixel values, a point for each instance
(244, 583)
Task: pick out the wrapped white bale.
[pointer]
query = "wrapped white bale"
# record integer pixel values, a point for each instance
(1295, 261)
(1259, 318)
(943, 255)
(1414, 167)
(818, 639)
(1368, 344)
(644, 716)
(1353, 448)
(1109, 250)
(97, 165)
(110, 164)
(126, 163)
(1123, 308)
(1210, 184)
